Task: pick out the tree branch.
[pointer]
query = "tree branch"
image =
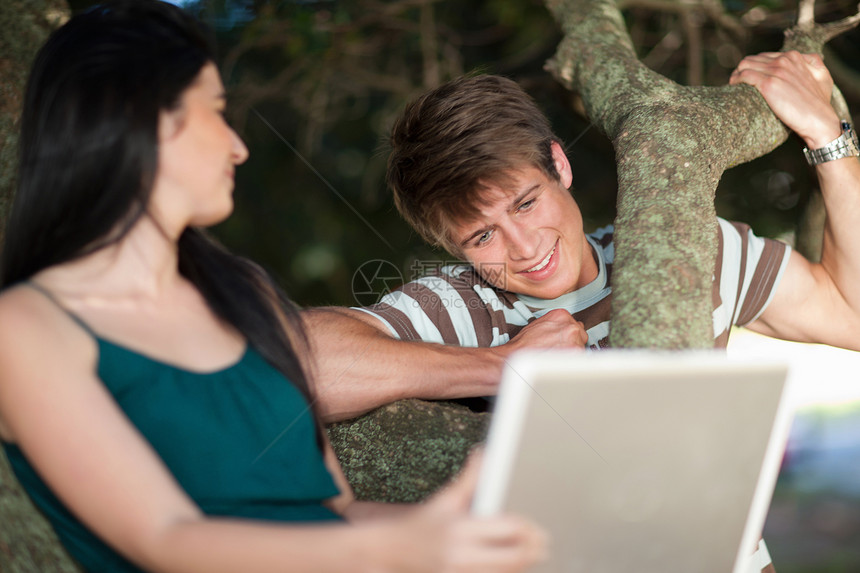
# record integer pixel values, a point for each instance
(672, 145)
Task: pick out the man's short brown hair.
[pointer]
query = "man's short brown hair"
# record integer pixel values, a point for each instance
(453, 141)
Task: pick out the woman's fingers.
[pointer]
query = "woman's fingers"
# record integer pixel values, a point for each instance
(506, 543)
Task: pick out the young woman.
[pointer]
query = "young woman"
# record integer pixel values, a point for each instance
(152, 396)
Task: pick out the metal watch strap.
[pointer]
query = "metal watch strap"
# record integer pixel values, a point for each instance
(846, 145)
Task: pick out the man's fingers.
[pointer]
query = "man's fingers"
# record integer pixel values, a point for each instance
(770, 62)
(797, 87)
(771, 70)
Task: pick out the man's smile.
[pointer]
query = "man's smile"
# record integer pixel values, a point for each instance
(543, 265)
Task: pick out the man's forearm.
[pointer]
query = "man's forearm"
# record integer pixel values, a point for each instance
(840, 187)
(358, 367)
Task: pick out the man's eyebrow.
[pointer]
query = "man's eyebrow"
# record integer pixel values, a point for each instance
(477, 233)
(519, 198)
(523, 195)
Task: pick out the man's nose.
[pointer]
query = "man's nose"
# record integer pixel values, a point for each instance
(522, 243)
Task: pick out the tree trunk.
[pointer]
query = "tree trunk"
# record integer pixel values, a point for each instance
(27, 542)
(24, 26)
(672, 145)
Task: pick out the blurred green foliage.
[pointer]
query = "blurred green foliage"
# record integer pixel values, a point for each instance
(314, 86)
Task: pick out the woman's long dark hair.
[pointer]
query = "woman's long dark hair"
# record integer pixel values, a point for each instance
(88, 157)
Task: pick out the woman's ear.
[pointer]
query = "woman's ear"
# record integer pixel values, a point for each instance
(562, 165)
(169, 123)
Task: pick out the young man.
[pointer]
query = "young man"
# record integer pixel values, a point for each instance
(475, 168)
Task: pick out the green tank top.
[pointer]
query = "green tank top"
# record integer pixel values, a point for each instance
(240, 441)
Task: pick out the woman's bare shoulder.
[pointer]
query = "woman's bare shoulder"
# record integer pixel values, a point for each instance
(40, 345)
(22, 310)
(26, 310)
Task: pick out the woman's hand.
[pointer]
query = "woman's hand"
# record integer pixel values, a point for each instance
(441, 536)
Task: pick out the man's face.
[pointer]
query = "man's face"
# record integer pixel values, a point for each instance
(529, 238)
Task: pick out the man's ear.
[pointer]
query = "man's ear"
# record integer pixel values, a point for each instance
(562, 165)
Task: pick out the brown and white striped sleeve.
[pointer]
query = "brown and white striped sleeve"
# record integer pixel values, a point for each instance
(445, 308)
(747, 273)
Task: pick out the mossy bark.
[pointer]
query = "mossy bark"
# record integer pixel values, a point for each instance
(28, 544)
(407, 450)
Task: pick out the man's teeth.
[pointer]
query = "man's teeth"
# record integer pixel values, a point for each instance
(541, 264)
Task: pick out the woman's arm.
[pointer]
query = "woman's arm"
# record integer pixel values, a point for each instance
(441, 521)
(54, 407)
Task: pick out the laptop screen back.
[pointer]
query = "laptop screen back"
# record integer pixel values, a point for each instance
(637, 461)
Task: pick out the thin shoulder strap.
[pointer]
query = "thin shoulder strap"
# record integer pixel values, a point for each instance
(50, 296)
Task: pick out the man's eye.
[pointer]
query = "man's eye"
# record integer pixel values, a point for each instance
(484, 237)
(525, 205)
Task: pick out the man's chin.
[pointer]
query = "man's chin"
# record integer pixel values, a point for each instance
(547, 292)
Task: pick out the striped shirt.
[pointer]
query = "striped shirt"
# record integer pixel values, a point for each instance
(455, 306)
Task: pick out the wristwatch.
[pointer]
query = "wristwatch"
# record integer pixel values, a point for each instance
(846, 145)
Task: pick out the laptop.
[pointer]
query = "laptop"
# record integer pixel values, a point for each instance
(635, 460)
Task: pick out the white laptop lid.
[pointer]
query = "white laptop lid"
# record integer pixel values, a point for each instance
(638, 461)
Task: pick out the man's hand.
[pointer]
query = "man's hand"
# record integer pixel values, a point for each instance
(555, 329)
(797, 87)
